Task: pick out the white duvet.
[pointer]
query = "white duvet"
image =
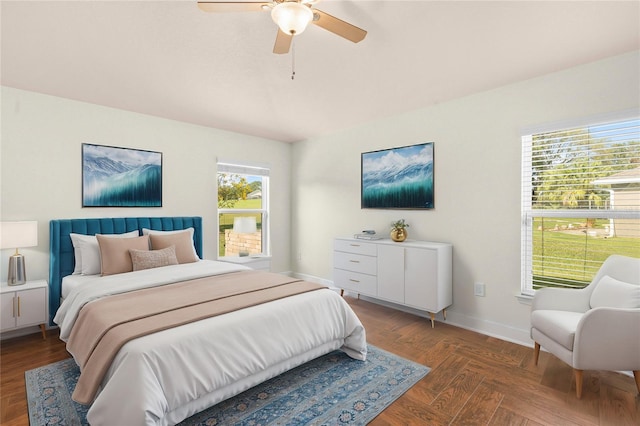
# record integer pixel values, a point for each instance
(163, 378)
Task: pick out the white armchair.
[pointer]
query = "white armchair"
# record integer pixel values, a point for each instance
(595, 328)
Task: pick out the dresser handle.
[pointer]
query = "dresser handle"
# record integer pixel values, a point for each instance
(354, 281)
(354, 245)
(354, 261)
(18, 303)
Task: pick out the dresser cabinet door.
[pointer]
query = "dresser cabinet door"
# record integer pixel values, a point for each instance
(420, 280)
(32, 307)
(391, 273)
(7, 317)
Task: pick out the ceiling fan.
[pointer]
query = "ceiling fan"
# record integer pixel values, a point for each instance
(292, 17)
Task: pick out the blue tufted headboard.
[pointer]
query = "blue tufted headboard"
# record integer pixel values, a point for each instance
(62, 259)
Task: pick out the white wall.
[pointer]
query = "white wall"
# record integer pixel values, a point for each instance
(477, 182)
(41, 174)
(477, 176)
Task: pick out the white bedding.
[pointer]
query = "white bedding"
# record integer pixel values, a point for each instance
(72, 281)
(163, 378)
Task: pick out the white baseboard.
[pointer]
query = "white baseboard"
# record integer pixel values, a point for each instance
(312, 279)
(488, 328)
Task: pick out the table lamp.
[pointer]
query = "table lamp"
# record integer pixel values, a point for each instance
(15, 235)
(244, 225)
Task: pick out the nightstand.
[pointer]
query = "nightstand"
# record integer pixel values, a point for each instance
(24, 306)
(260, 263)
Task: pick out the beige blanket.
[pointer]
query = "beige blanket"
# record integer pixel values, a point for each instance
(105, 325)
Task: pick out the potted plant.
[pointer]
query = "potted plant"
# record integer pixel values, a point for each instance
(399, 231)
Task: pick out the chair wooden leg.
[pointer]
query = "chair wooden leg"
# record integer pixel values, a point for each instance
(536, 353)
(578, 382)
(636, 375)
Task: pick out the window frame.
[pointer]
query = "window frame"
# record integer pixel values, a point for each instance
(528, 213)
(247, 169)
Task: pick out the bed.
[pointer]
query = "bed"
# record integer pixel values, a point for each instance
(170, 374)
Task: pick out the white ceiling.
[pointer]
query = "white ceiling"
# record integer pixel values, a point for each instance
(169, 59)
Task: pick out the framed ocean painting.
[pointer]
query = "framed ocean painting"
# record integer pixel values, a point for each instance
(120, 177)
(398, 178)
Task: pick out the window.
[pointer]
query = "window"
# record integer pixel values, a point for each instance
(243, 210)
(580, 202)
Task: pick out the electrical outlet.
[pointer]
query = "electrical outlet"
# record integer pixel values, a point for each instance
(478, 289)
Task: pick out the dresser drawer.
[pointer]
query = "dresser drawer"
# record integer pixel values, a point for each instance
(352, 246)
(355, 262)
(354, 281)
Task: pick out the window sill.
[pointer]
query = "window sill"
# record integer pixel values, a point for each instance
(244, 259)
(525, 299)
(259, 262)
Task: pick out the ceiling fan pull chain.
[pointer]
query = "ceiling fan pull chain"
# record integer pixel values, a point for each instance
(293, 59)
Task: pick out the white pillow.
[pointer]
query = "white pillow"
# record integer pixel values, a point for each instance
(611, 293)
(87, 251)
(146, 231)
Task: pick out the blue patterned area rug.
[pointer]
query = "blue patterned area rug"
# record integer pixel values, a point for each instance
(331, 390)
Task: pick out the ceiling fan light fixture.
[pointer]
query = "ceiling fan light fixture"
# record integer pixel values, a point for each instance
(292, 17)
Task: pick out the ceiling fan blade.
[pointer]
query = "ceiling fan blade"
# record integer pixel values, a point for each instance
(233, 6)
(283, 42)
(338, 26)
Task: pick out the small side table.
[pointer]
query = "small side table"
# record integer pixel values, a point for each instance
(24, 305)
(260, 263)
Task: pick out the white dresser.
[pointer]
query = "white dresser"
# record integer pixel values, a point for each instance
(416, 274)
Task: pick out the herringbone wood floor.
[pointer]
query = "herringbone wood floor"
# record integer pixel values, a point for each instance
(475, 379)
(480, 380)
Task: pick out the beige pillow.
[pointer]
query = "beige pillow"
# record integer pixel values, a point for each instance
(147, 259)
(182, 242)
(114, 253)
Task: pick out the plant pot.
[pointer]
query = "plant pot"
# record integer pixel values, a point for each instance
(398, 234)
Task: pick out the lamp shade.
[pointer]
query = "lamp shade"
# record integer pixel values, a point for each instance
(15, 235)
(292, 17)
(244, 225)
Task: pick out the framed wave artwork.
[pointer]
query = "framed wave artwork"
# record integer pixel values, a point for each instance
(120, 177)
(398, 178)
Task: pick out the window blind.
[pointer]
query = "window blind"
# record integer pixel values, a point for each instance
(580, 202)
